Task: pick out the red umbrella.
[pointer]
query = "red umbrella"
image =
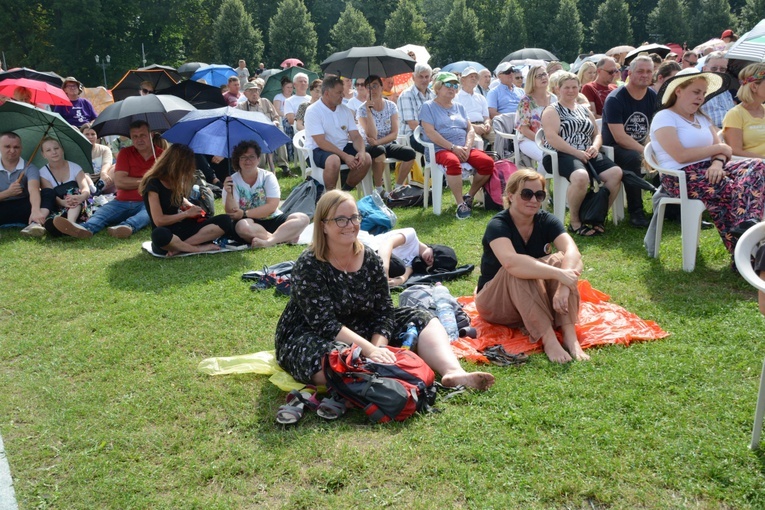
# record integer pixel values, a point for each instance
(292, 62)
(42, 93)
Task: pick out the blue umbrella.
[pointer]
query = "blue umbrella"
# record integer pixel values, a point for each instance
(458, 67)
(216, 132)
(215, 74)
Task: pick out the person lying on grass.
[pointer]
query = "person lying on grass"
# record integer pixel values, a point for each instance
(397, 249)
(178, 226)
(524, 284)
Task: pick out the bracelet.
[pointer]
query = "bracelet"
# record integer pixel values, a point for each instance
(244, 214)
(721, 160)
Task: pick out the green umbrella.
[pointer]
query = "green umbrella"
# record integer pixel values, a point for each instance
(274, 83)
(33, 124)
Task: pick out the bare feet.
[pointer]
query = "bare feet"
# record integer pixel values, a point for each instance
(477, 380)
(575, 349)
(262, 243)
(207, 247)
(555, 351)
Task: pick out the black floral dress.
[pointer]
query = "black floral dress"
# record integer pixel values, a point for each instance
(324, 299)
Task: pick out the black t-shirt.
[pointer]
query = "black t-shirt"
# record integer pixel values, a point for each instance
(546, 229)
(621, 108)
(165, 199)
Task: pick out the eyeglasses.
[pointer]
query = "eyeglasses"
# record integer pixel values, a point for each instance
(692, 62)
(248, 158)
(374, 86)
(452, 85)
(718, 69)
(342, 221)
(540, 76)
(527, 194)
(611, 72)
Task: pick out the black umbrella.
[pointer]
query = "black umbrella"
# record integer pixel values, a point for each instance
(201, 95)
(530, 53)
(160, 111)
(189, 68)
(659, 49)
(24, 72)
(170, 70)
(130, 84)
(362, 61)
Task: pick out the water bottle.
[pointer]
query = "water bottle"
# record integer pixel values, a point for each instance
(409, 336)
(195, 194)
(444, 311)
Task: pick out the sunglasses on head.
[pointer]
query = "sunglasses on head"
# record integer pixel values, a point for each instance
(527, 194)
(451, 85)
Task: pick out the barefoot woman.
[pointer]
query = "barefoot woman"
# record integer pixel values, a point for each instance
(522, 283)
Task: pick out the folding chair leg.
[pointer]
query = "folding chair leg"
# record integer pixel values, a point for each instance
(759, 412)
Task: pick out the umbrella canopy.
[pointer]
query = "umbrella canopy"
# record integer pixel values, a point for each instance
(130, 84)
(362, 61)
(292, 62)
(421, 54)
(590, 58)
(274, 82)
(174, 74)
(659, 49)
(268, 72)
(458, 67)
(41, 92)
(530, 53)
(189, 68)
(215, 74)
(99, 97)
(750, 46)
(203, 97)
(33, 124)
(24, 72)
(618, 50)
(217, 132)
(712, 45)
(160, 111)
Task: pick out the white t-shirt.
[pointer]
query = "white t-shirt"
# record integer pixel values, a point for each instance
(475, 104)
(689, 136)
(354, 104)
(406, 252)
(74, 169)
(336, 126)
(249, 197)
(292, 104)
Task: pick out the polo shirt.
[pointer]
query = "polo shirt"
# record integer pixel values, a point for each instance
(130, 160)
(476, 106)
(6, 177)
(505, 99)
(597, 94)
(336, 126)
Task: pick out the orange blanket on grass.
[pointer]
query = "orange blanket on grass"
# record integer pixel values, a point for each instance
(600, 323)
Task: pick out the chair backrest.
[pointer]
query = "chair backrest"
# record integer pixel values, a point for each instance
(504, 127)
(430, 150)
(745, 249)
(299, 139)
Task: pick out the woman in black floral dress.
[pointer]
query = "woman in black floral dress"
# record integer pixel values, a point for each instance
(340, 293)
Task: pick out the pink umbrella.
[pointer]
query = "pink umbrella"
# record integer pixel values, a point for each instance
(41, 92)
(292, 62)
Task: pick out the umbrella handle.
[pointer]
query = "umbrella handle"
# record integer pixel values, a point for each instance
(34, 152)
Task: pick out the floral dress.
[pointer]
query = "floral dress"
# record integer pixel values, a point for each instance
(530, 114)
(324, 299)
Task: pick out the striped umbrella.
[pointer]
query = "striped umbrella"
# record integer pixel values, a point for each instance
(751, 46)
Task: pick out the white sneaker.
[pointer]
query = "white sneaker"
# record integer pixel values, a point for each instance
(120, 231)
(33, 230)
(71, 229)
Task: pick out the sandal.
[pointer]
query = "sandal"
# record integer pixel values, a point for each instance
(291, 412)
(331, 408)
(583, 230)
(599, 228)
(499, 356)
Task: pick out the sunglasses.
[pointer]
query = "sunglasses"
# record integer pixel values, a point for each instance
(527, 194)
(612, 72)
(342, 221)
(146, 91)
(452, 85)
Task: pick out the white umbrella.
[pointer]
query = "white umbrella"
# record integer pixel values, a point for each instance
(421, 54)
(751, 45)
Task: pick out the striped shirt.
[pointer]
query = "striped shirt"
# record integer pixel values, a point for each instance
(576, 128)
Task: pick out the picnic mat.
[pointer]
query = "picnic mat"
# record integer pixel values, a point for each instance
(600, 323)
(146, 246)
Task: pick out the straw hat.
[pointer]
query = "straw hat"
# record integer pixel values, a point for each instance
(717, 83)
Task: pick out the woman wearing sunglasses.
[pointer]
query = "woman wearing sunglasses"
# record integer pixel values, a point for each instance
(524, 284)
(339, 293)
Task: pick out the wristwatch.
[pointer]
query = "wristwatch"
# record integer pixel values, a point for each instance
(244, 214)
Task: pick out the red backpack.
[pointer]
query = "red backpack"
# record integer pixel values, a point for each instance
(384, 391)
(495, 186)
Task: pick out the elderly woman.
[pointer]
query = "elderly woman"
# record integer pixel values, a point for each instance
(666, 70)
(685, 139)
(102, 159)
(587, 73)
(744, 124)
(66, 179)
(570, 130)
(81, 111)
(339, 293)
(378, 118)
(446, 125)
(251, 198)
(524, 284)
(529, 116)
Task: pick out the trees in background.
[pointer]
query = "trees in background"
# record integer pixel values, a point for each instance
(235, 36)
(613, 25)
(352, 29)
(291, 34)
(406, 26)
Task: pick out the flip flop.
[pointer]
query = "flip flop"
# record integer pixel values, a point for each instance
(331, 408)
(583, 230)
(297, 402)
(499, 356)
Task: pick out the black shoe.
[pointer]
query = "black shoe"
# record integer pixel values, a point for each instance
(639, 220)
(742, 227)
(286, 172)
(706, 225)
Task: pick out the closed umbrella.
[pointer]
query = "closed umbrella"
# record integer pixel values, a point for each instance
(40, 92)
(24, 72)
(458, 67)
(215, 74)
(189, 68)
(160, 111)
(130, 84)
(291, 62)
(750, 46)
(362, 61)
(274, 82)
(33, 124)
(530, 53)
(202, 96)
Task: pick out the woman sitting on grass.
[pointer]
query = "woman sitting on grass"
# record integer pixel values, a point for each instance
(178, 226)
(340, 294)
(67, 179)
(524, 284)
(251, 198)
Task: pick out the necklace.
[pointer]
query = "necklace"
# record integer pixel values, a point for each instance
(339, 266)
(695, 123)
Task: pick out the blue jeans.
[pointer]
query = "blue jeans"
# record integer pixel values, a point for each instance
(116, 212)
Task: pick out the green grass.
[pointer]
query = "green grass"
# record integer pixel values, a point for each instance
(101, 405)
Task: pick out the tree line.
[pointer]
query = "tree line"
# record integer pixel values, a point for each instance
(65, 35)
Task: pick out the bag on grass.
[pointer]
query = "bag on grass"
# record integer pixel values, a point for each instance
(421, 296)
(206, 196)
(594, 208)
(405, 196)
(303, 198)
(277, 275)
(386, 392)
(444, 260)
(494, 188)
(377, 217)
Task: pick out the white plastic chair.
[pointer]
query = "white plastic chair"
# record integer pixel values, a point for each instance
(745, 249)
(560, 184)
(504, 129)
(690, 212)
(435, 173)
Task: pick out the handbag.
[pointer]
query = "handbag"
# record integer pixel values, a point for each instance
(594, 208)
(67, 188)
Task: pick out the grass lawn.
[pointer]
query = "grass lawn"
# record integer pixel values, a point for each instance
(101, 405)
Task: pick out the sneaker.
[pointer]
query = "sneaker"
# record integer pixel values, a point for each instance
(33, 230)
(463, 211)
(468, 200)
(120, 231)
(66, 227)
